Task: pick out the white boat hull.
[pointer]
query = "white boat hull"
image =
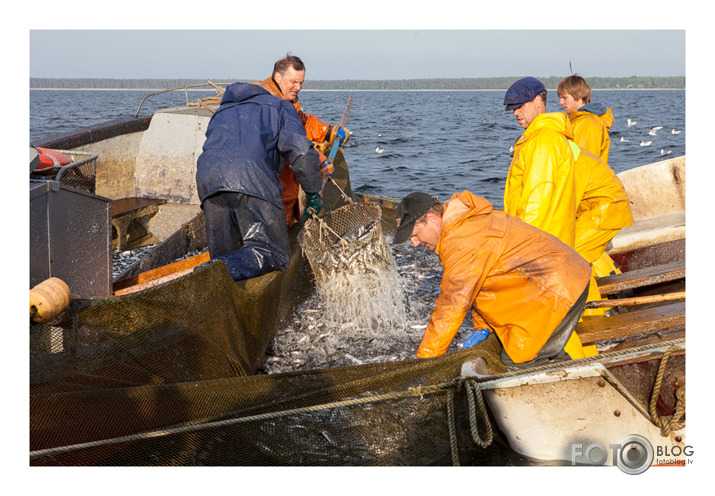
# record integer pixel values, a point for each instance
(573, 414)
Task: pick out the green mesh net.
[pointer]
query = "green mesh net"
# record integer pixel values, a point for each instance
(167, 376)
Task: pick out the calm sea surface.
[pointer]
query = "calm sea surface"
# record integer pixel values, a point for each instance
(433, 141)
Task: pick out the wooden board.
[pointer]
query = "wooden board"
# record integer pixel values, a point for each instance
(159, 275)
(642, 277)
(653, 319)
(126, 206)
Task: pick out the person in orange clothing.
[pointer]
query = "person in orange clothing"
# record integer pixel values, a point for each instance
(590, 121)
(519, 282)
(286, 82)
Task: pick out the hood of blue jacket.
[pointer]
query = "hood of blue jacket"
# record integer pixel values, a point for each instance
(238, 92)
(594, 108)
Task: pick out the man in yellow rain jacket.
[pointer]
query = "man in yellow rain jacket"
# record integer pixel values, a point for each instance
(557, 186)
(604, 208)
(286, 82)
(518, 281)
(590, 121)
(541, 185)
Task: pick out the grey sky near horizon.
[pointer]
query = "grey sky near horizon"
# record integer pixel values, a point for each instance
(356, 54)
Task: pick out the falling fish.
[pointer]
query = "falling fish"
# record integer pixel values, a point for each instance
(390, 341)
(359, 234)
(352, 358)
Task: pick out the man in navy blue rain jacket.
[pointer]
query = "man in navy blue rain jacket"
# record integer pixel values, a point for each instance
(248, 141)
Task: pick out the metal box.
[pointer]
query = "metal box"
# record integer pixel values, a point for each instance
(71, 238)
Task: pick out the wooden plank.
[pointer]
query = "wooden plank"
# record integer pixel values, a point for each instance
(599, 328)
(642, 277)
(177, 268)
(125, 206)
(639, 300)
(652, 338)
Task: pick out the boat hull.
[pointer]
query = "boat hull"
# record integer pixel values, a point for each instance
(557, 415)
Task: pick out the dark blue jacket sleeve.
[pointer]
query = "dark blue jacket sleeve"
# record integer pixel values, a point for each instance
(298, 150)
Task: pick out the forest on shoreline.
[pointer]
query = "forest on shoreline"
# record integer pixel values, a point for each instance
(495, 83)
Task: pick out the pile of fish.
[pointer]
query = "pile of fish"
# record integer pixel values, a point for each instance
(122, 260)
(309, 341)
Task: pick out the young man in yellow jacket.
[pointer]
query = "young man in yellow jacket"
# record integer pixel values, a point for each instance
(518, 281)
(606, 209)
(590, 121)
(557, 186)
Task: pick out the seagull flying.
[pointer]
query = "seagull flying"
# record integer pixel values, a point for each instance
(675, 131)
(654, 130)
(646, 143)
(631, 123)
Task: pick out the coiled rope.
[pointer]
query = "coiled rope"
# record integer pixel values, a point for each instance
(474, 394)
(667, 423)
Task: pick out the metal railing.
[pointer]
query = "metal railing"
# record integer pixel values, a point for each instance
(186, 92)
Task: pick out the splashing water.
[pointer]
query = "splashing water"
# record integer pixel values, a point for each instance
(320, 334)
(365, 301)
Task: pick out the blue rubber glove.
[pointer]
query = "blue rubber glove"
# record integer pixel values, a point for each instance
(341, 133)
(477, 337)
(312, 200)
(342, 136)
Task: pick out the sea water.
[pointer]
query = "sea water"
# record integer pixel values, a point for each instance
(439, 142)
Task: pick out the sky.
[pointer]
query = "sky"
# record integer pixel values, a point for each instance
(365, 39)
(355, 54)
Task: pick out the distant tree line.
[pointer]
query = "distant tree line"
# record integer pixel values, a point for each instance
(494, 83)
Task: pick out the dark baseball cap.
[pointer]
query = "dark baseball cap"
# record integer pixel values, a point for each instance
(411, 208)
(522, 91)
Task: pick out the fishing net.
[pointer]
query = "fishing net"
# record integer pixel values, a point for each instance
(353, 267)
(81, 173)
(164, 376)
(168, 376)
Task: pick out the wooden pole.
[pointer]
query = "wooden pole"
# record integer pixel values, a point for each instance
(639, 300)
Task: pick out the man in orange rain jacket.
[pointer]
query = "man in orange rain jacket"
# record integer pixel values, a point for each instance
(518, 281)
(286, 82)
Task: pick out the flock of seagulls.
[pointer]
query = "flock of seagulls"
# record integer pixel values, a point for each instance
(653, 131)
